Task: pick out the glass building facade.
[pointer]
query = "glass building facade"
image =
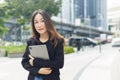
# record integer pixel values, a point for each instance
(92, 12)
(97, 13)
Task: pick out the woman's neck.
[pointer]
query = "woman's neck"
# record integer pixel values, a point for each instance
(44, 37)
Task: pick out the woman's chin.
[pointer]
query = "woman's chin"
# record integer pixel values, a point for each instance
(41, 32)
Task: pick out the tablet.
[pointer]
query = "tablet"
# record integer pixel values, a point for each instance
(39, 51)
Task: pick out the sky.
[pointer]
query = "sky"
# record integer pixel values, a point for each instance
(1, 1)
(113, 3)
(110, 3)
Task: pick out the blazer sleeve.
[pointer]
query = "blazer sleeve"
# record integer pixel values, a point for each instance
(25, 62)
(57, 63)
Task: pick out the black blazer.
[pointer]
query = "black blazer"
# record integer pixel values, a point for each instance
(56, 61)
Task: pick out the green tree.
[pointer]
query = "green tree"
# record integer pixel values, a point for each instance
(21, 10)
(3, 29)
(18, 8)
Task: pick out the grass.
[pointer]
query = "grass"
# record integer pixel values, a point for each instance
(68, 49)
(14, 49)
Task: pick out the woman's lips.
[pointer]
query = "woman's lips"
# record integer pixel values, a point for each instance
(41, 29)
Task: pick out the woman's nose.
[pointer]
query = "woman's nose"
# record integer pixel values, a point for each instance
(39, 23)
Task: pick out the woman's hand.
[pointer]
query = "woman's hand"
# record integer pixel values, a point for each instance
(31, 60)
(45, 71)
(41, 70)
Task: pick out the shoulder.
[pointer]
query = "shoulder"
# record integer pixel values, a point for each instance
(60, 41)
(31, 40)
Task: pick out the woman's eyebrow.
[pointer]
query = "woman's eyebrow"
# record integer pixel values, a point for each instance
(35, 20)
(40, 19)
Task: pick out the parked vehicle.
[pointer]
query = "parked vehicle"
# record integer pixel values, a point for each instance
(103, 38)
(89, 42)
(116, 42)
(83, 41)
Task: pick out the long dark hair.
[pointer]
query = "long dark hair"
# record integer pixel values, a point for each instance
(54, 35)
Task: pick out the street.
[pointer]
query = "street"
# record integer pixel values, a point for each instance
(88, 64)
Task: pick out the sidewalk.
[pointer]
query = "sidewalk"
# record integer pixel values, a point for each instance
(115, 69)
(11, 69)
(102, 67)
(89, 64)
(76, 63)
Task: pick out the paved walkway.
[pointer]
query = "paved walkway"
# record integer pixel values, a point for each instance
(11, 69)
(89, 64)
(75, 63)
(115, 68)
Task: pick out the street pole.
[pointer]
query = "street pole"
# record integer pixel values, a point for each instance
(88, 21)
(61, 19)
(100, 47)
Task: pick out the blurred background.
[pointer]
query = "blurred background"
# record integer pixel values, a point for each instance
(91, 29)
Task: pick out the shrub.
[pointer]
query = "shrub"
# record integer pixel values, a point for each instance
(68, 49)
(13, 49)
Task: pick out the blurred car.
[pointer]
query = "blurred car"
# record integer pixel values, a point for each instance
(84, 41)
(116, 42)
(102, 41)
(89, 42)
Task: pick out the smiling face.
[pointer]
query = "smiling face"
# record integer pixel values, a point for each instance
(39, 24)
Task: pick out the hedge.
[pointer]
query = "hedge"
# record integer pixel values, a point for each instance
(12, 49)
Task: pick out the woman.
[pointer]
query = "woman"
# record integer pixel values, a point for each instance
(43, 32)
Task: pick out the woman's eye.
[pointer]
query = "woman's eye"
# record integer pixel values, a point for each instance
(42, 20)
(35, 22)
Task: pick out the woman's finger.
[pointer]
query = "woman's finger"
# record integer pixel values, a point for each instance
(48, 68)
(31, 57)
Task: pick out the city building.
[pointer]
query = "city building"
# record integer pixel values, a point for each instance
(80, 10)
(114, 20)
(67, 12)
(97, 13)
(88, 12)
